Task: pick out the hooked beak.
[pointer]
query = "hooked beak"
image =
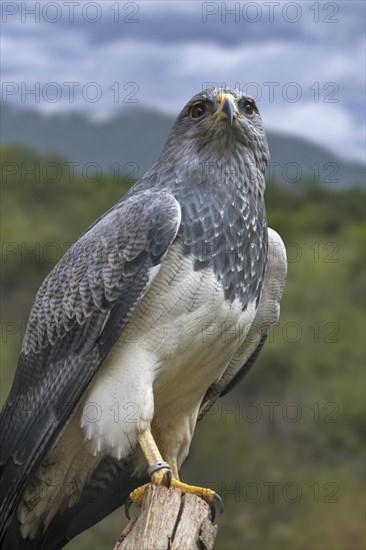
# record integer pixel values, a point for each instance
(227, 108)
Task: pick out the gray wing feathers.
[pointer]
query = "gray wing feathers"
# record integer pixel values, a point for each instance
(79, 312)
(93, 272)
(267, 315)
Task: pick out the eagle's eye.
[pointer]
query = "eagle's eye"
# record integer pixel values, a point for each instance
(198, 109)
(249, 108)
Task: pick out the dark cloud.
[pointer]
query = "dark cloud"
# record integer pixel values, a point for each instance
(173, 48)
(224, 23)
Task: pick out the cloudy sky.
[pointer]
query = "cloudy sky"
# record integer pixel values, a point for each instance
(304, 61)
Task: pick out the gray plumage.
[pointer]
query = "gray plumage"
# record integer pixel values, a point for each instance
(187, 244)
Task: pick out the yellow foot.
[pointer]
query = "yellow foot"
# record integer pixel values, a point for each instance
(164, 477)
(206, 494)
(159, 477)
(162, 474)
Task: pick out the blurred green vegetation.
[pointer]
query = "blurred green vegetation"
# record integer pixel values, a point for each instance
(285, 448)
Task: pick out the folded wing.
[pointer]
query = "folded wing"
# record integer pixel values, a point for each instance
(267, 315)
(79, 312)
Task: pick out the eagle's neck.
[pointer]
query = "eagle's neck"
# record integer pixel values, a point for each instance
(224, 225)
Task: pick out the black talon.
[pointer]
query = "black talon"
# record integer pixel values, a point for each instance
(220, 502)
(127, 507)
(213, 509)
(213, 513)
(169, 477)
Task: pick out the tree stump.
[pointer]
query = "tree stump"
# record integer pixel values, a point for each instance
(169, 521)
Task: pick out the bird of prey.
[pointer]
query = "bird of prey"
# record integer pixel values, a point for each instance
(159, 308)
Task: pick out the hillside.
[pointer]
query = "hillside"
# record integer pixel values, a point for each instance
(137, 135)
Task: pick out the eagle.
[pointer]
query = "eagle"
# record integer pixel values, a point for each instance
(158, 309)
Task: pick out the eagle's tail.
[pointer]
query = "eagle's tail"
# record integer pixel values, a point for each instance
(107, 489)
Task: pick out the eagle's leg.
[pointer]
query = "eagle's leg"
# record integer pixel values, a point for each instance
(163, 474)
(159, 470)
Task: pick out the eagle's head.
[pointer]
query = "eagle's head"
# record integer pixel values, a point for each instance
(219, 123)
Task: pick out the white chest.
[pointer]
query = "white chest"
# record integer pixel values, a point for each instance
(178, 342)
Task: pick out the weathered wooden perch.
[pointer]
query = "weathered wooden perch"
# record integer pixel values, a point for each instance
(169, 521)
